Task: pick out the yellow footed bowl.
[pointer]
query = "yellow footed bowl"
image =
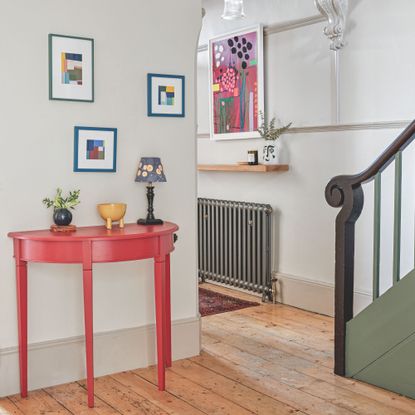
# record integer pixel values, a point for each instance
(112, 212)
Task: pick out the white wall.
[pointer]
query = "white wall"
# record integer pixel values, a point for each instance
(132, 38)
(376, 69)
(376, 84)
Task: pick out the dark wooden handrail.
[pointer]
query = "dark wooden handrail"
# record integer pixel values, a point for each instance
(346, 192)
(379, 165)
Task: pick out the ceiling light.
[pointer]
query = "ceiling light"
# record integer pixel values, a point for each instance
(234, 9)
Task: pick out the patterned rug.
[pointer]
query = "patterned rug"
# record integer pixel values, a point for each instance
(211, 302)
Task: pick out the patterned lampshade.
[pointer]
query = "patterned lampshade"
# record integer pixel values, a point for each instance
(150, 170)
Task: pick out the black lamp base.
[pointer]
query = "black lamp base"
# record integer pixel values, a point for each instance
(150, 219)
(150, 222)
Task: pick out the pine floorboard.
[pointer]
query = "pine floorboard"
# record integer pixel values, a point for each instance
(270, 359)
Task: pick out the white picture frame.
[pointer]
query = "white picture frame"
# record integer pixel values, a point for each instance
(226, 91)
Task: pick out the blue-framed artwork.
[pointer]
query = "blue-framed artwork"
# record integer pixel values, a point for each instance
(71, 68)
(165, 95)
(95, 149)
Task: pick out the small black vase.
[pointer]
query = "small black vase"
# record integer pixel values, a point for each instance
(62, 217)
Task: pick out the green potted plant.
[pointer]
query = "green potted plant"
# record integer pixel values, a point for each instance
(270, 134)
(62, 215)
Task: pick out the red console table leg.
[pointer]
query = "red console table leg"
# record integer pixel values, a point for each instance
(159, 276)
(167, 314)
(88, 314)
(21, 285)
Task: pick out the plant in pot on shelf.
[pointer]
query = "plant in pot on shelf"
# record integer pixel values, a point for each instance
(62, 206)
(270, 134)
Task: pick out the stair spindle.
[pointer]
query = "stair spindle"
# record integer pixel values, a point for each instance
(376, 235)
(397, 218)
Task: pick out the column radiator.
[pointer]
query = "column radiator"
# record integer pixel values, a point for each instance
(235, 244)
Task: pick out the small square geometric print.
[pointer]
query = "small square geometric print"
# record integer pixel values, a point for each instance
(71, 68)
(166, 95)
(95, 150)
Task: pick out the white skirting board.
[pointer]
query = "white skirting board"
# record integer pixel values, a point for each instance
(61, 361)
(313, 295)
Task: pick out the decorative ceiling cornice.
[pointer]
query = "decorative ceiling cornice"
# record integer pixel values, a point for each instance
(335, 12)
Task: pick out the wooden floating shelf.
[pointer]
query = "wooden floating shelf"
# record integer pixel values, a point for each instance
(260, 168)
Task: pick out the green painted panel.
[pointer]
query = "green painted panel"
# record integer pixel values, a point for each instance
(381, 326)
(395, 370)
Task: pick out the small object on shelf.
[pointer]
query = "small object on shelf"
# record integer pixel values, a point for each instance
(269, 153)
(112, 212)
(150, 170)
(270, 134)
(61, 205)
(252, 157)
(57, 228)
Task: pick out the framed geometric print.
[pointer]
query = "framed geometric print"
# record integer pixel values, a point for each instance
(95, 149)
(71, 68)
(165, 95)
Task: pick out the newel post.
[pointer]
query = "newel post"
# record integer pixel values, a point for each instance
(342, 192)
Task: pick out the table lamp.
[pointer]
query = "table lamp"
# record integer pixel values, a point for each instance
(150, 170)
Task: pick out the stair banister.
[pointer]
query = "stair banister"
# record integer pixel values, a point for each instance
(346, 192)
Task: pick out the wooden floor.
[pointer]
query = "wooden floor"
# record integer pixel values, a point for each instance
(270, 359)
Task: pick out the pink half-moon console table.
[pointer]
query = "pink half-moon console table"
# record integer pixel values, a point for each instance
(90, 245)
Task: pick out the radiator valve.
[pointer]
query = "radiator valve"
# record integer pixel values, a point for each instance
(274, 289)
